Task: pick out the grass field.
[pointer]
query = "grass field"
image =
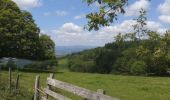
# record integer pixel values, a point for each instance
(118, 86)
(122, 87)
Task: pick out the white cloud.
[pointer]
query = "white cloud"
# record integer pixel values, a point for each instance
(161, 30)
(164, 8)
(71, 28)
(124, 27)
(156, 26)
(80, 16)
(153, 26)
(56, 13)
(72, 34)
(47, 14)
(164, 18)
(27, 4)
(135, 7)
(61, 13)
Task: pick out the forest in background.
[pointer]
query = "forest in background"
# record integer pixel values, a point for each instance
(141, 52)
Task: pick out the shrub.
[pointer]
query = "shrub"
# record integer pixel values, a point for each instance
(159, 63)
(43, 65)
(11, 64)
(138, 68)
(81, 66)
(160, 66)
(123, 65)
(105, 59)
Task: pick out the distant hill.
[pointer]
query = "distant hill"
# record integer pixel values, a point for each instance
(64, 50)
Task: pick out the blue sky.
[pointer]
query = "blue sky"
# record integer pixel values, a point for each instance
(63, 20)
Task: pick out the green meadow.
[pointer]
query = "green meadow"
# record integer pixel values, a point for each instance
(118, 86)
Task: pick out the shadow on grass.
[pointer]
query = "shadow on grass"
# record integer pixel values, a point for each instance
(37, 71)
(144, 75)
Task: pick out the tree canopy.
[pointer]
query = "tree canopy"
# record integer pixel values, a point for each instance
(108, 12)
(19, 35)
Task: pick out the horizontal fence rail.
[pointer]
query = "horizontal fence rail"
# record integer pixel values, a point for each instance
(85, 93)
(55, 95)
(79, 91)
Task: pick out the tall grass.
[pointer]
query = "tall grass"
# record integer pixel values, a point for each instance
(12, 93)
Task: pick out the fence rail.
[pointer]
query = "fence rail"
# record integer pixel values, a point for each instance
(55, 95)
(79, 91)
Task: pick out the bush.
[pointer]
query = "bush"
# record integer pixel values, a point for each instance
(81, 66)
(138, 68)
(9, 64)
(105, 59)
(43, 65)
(168, 60)
(122, 65)
(160, 66)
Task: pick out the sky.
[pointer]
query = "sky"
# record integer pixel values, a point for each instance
(64, 20)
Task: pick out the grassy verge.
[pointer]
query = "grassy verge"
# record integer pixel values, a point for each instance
(122, 87)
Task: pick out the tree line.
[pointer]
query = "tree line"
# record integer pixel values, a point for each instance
(141, 52)
(146, 57)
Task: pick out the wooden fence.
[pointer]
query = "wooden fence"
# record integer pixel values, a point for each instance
(79, 91)
(10, 80)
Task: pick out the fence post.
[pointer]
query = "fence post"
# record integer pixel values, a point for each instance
(9, 77)
(17, 82)
(48, 86)
(100, 91)
(36, 95)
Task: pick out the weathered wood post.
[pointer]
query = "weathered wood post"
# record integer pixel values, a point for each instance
(17, 82)
(9, 77)
(48, 86)
(36, 95)
(100, 91)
